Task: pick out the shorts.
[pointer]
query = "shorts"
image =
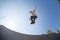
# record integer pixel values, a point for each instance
(35, 17)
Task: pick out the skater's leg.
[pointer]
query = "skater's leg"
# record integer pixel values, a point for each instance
(31, 19)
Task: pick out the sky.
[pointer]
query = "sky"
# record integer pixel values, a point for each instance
(14, 14)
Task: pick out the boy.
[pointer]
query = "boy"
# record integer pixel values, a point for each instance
(33, 16)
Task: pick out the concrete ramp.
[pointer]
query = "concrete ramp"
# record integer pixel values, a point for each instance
(6, 34)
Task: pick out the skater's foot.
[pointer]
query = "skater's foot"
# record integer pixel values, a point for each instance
(32, 22)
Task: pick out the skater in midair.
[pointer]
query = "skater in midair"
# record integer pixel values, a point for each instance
(33, 16)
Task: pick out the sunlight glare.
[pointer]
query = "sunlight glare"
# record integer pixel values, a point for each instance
(10, 24)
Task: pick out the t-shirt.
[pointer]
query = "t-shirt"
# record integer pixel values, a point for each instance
(33, 13)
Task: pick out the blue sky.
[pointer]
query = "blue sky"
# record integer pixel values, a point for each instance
(17, 15)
